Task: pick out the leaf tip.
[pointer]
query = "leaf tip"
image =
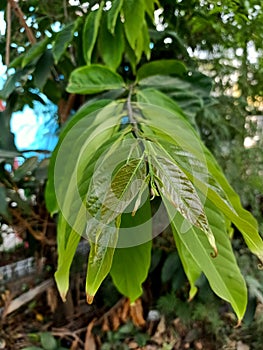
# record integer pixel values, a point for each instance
(238, 323)
(90, 299)
(214, 254)
(63, 297)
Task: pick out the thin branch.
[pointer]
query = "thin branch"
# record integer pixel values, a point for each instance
(8, 34)
(20, 16)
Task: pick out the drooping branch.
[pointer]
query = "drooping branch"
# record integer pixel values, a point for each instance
(18, 12)
(8, 34)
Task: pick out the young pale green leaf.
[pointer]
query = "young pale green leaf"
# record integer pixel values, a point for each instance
(210, 180)
(103, 225)
(227, 283)
(113, 14)
(133, 11)
(75, 127)
(64, 38)
(155, 97)
(102, 247)
(72, 226)
(166, 67)
(176, 187)
(125, 186)
(90, 32)
(175, 130)
(131, 264)
(66, 252)
(35, 51)
(111, 46)
(93, 79)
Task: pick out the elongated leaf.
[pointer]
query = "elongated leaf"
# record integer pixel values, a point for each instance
(93, 79)
(14, 80)
(43, 69)
(70, 196)
(75, 216)
(175, 130)
(90, 32)
(113, 14)
(63, 39)
(65, 255)
(152, 96)
(100, 257)
(6, 154)
(149, 7)
(134, 16)
(35, 51)
(167, 67)
(88, 112)
(131, 263)
(28, 166)
(111, 46)
(210, 180)
(227, 283)
(177, 188)
(103, 227)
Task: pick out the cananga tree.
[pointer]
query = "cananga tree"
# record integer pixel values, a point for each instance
(127, 106)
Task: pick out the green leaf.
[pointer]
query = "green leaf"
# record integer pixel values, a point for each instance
(93, 79)
(17, 62)
(11, 84)
(242, 218)
(64, 38)
(112, 15)
(27, 167)
(32, 348)
(6, 155)
(89, 133)
(155, 97)
(87, 112)
(111, 199)
(3, 202)
(66, 255)
(227, 283)
(131, 263)
(100, 256)
(177, 188)
(146, 41)
(133, 20)
(166, 66)
(48, 341)
(207, 176)
(170, 267)
(43, 69)
(111, 46)
(35, 51)
(149, 7)
(90, 32)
